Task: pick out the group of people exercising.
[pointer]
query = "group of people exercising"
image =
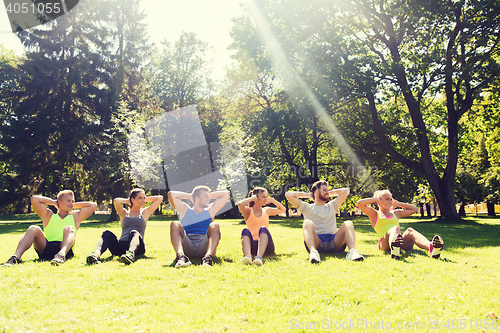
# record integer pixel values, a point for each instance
(197, 235)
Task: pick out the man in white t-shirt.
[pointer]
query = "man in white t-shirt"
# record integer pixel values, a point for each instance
(320, 225)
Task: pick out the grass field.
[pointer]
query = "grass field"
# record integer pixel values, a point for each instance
(458, 292)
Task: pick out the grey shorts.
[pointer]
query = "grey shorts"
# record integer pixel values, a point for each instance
(195, 245)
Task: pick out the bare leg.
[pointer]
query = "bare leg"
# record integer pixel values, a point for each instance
(213, 234)
(245, 243)
(310, 236)
(389, 235)
(176, 234)
(68, 240)
(411, 237)
(33, 236)
(346, 235)
(263, 239)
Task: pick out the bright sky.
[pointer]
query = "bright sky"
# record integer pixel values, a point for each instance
(167, 19)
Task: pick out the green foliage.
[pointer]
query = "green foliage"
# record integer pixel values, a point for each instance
(59, 105)
(181, 73)
(418, 68)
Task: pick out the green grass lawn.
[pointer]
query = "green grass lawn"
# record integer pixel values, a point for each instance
(417, 293)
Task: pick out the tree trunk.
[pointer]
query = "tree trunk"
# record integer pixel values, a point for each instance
(114, 214)
(461, 211)
(491, 208)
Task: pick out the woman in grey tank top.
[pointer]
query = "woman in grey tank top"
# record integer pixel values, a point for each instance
(133, 223)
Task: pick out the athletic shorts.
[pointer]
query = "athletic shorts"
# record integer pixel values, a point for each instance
(195, 245)
(254, 244)
(327, 244)
(51, 249)
(380, 242)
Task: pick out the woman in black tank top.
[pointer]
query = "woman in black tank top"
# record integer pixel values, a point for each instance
(133, 223)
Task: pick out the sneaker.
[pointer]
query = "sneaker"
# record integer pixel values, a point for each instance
(181, 261)
(59, 259)
(437, 245)
(127, 258)
(314, 257)
(396, 247)
(206, 261)
(354, 255)
(258, 261)
(93, 259)
(12, 261)
(246, 260)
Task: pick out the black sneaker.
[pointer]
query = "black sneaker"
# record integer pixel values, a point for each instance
(59, 259)
(127, 258)
(12, 261)
(181, 261)
(206, 261)
(92, 259)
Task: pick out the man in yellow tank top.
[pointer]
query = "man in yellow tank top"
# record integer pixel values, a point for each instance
(54, 243)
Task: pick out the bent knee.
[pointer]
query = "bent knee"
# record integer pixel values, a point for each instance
(34, 228)
(69, 228)
(348, 223)
(308, 224)
(409, 231)
(175, 225)
(214, 226)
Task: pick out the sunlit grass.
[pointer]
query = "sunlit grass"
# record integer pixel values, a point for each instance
(284, 294)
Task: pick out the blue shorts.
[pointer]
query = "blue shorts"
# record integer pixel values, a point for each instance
(327, 245)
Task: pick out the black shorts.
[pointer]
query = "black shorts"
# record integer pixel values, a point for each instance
(51, 249)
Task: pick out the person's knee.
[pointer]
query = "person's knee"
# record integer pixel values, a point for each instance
(246, 233)
(107, 233)
(34, 229)
(348, 225)
(264, 230)
(409, 231)
(214, 226)
(175, 225)
(69, 229)
(308, 224)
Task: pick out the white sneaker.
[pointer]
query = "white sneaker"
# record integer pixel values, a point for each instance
(246, 260)
(314, 257)
(258, 261)
(354, 255)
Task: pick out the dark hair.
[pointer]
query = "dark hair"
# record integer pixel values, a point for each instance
(198, 189)
(255, 191)
(133, 194)
(317, 185)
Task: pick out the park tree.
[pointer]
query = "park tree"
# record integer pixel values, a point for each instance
(60, 125)
(376, 51)
(181, 72)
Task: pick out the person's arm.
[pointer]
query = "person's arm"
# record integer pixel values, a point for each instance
(340, 193)
(86, 209)
(407, 209)
(363, 204)
(39, 204)
(156, 201)
(220, 200)
(274, 210)
(293, 197)
(175, 198)
(118, 203)
(242, 206)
